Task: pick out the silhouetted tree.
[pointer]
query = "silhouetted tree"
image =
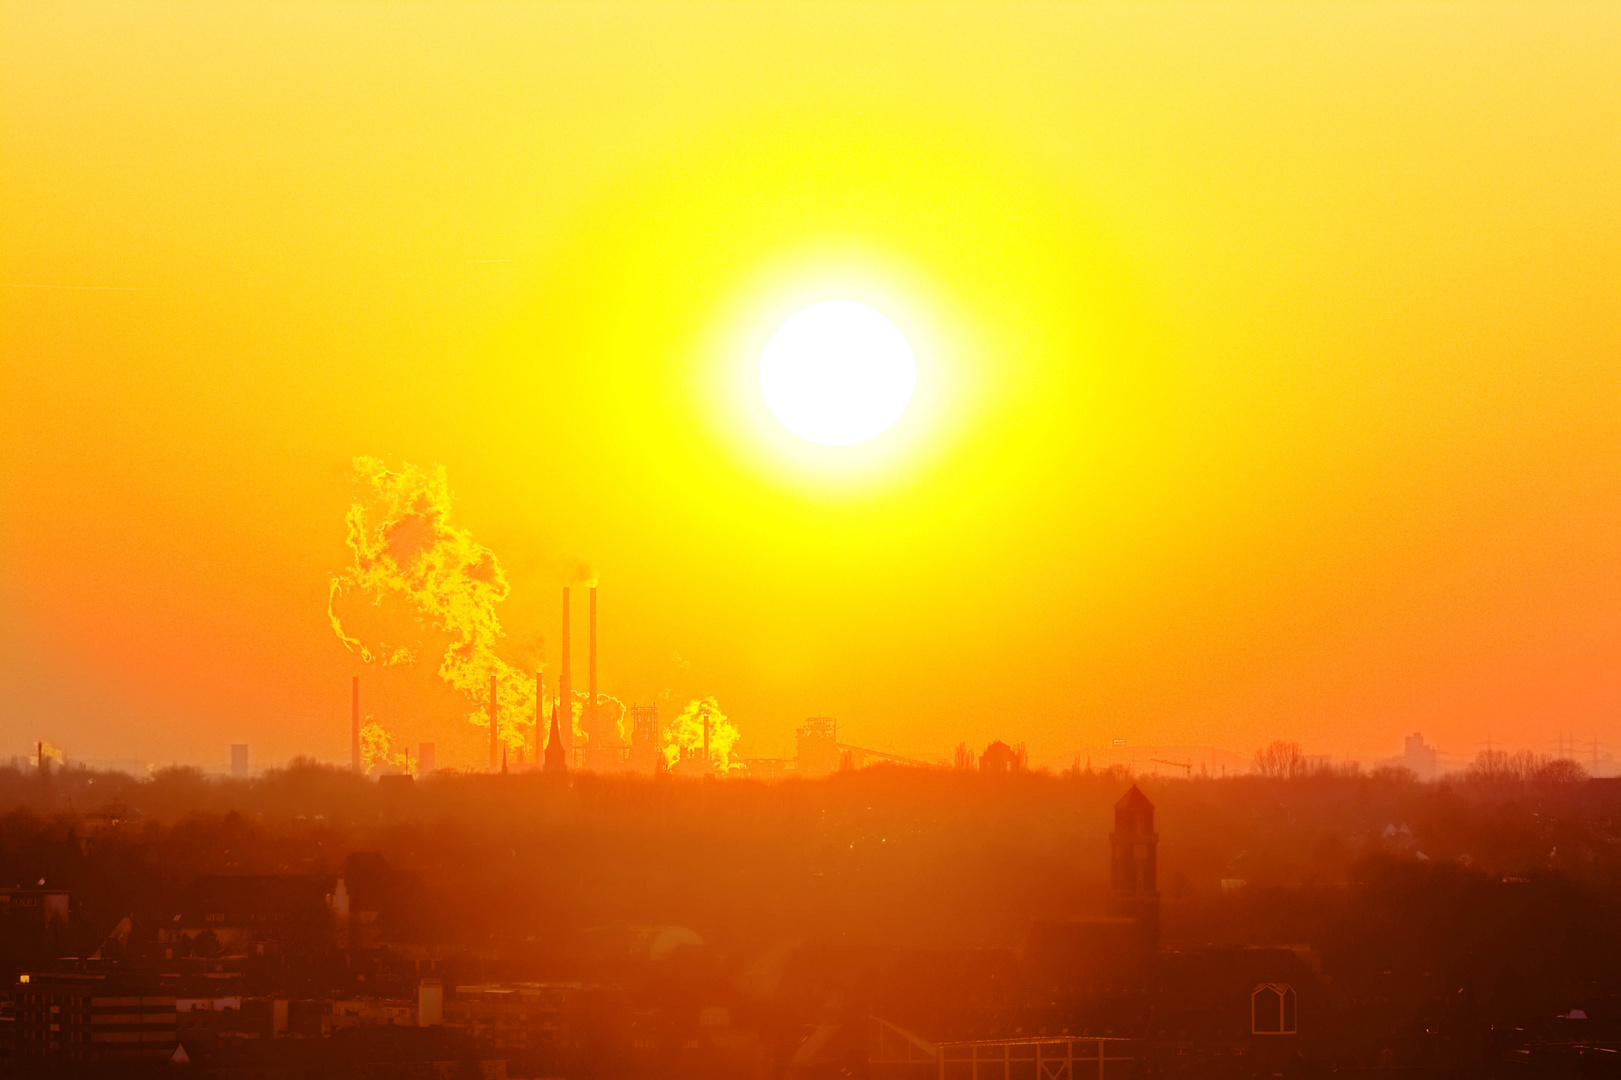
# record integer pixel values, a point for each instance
(1280, 759)
(1496, 767)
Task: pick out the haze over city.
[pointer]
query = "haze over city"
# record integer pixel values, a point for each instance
(1266, 366)
(810, 541)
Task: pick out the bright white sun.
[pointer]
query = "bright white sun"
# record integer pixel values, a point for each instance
(837, 373)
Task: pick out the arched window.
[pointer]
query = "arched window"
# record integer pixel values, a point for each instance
(1272, 1009)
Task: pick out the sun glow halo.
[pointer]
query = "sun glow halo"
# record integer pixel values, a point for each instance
(837, 373)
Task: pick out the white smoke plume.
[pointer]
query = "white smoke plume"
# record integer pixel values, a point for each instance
(405, 548)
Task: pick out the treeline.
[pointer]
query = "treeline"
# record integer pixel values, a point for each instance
(889, 854)
(1283, 760)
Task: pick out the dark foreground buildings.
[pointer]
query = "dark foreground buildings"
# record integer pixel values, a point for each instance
(302, 976)
(1093, 997)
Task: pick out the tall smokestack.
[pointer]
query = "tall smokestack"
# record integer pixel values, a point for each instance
(354, 725)
(495, 729)
(565, 682)
(591, 676)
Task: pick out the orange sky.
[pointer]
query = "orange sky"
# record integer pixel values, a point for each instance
(1272, 381)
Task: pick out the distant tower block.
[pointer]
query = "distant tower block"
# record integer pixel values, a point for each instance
(425, 759)
(239, 760)
(1419, 756)
(1134, 864)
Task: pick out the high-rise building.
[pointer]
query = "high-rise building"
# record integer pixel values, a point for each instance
(425, 764)
(239, 761)
(1419, 756)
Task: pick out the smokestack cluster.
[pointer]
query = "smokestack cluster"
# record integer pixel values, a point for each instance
(562, 726)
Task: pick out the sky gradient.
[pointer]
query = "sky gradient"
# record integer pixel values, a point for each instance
(1269, 364)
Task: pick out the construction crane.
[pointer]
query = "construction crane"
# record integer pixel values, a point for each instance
(1187, 766)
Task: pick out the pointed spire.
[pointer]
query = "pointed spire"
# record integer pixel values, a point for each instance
(556, 756)
(1134, 799)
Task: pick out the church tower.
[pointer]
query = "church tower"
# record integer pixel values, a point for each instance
(1133, 865)
(556, 754)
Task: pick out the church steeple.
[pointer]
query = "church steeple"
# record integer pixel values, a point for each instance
(1134, 863)
(556, 756)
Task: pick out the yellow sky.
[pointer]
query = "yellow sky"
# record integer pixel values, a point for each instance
(1270, 362)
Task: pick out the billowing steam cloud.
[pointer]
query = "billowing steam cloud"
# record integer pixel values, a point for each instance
(406, 548)
(687, 733)
(375, 749)
(576, 572)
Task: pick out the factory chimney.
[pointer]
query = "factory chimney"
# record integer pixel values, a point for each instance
(495, 729)
(354, 724)
(565, 684)
(591, 681)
